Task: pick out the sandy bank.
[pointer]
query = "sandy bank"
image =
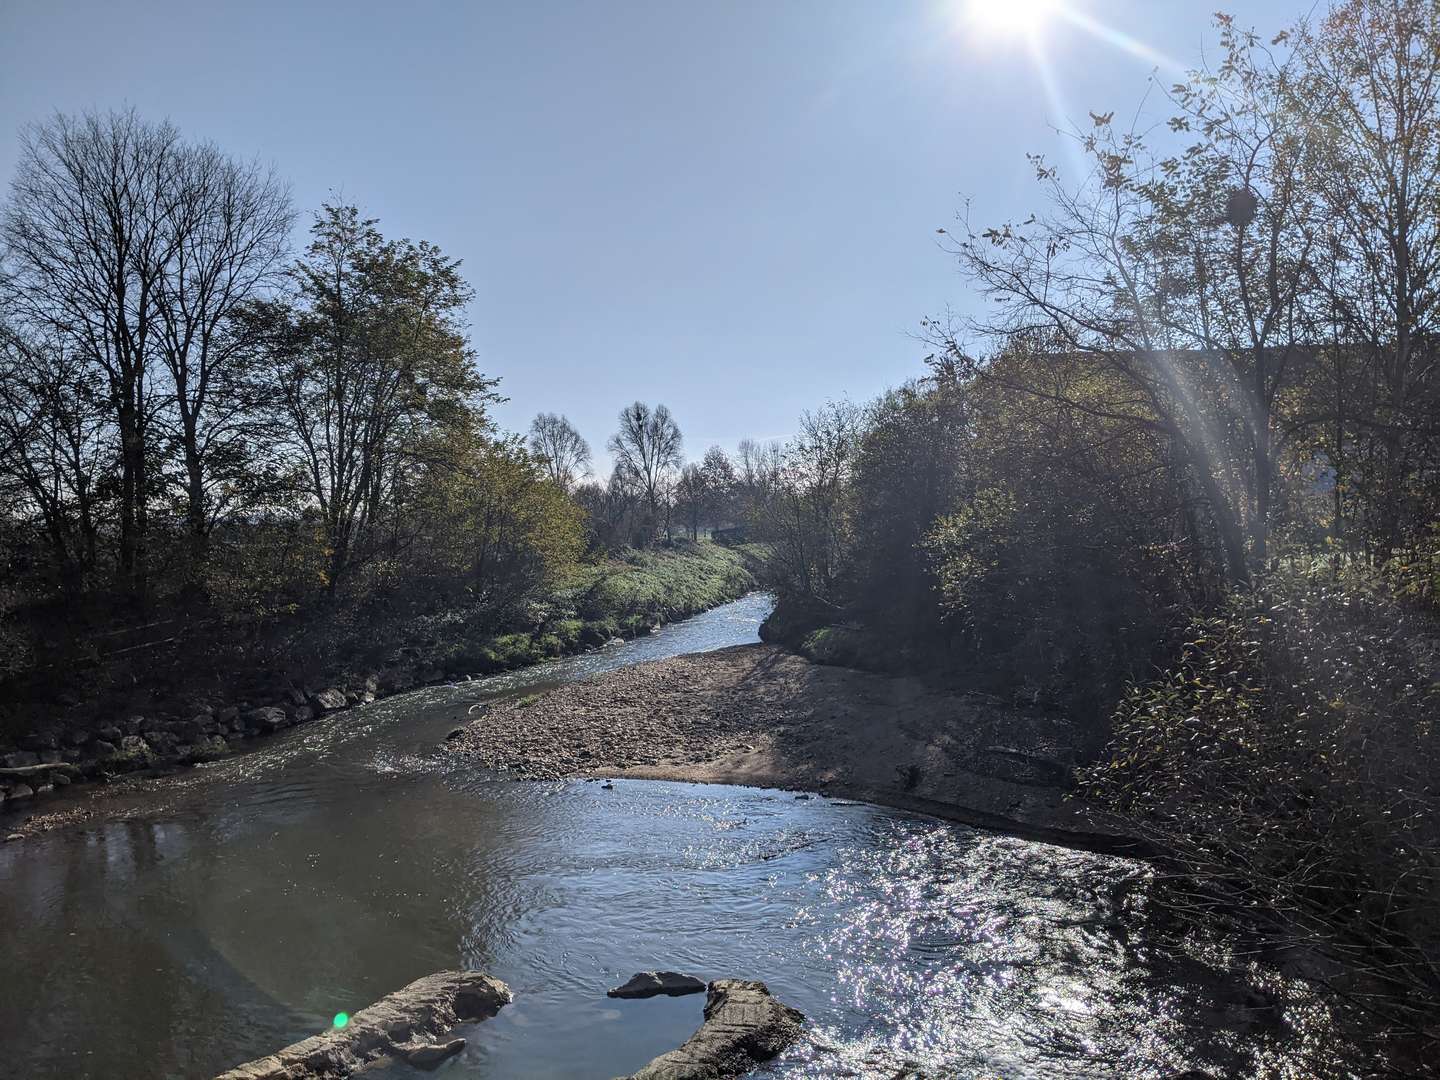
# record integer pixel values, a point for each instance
(753, 714)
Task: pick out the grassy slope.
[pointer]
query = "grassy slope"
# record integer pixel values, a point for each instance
(620, 596)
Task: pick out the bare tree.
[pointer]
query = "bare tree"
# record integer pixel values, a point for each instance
(1368, 89)
(803, 508)
(55, 443)
(131, 252)
(87, 242)
(757, 471)
(647, 449)
(226, 236)
(563, 449)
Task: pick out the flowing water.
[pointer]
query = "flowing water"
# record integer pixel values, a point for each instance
(342, 859)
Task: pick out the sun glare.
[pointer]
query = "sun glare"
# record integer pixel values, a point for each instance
(1011, 17)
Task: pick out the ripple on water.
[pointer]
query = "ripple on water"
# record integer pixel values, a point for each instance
(345, 858)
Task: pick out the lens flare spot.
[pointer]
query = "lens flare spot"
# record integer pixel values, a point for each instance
(341, 1019)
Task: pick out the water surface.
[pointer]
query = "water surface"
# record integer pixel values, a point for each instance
(340, 860)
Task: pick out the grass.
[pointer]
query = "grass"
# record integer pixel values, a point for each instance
(659, 584)
(622, 596)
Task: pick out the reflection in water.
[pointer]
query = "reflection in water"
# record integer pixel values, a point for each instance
(348, 857)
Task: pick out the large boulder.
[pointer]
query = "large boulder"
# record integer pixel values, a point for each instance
(404, 1025)
(267, 718)
(210, 748)
(646, 984)
(744, 1025)
(330, 699)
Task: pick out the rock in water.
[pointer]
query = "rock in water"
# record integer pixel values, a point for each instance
(743, 1026)
(426, 1055)
(403, 1024)
(330, 699)
(646, 984)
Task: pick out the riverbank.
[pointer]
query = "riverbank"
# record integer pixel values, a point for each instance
(759, 716)
(185, 712)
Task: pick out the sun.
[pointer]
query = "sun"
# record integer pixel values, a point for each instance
(1011, 17)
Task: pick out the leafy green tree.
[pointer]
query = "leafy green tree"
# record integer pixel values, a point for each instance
(492, 521)
(374, 363)
(910, 469)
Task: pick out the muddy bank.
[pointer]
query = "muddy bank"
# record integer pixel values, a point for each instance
(756, 715)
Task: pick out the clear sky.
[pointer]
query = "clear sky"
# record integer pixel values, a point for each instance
(728, 207)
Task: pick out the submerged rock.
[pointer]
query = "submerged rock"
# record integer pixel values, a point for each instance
(424, 1055)
(744, 1025)
(403, 1024)
(646, 984)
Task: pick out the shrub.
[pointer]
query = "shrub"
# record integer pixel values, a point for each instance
(1288, 761)
(1048, 593)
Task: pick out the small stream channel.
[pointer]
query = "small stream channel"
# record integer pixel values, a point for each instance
(342, 859)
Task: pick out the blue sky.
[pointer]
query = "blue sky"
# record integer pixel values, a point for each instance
(726, 207)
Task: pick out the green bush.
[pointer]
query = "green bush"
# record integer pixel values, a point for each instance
(1414, 573)
(568, 632)
(842, 645)
(1288, 762)
(1048, 594)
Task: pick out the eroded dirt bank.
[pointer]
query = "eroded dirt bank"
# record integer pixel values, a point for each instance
(754, 714)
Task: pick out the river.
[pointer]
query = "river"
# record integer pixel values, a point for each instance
(342, 859)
